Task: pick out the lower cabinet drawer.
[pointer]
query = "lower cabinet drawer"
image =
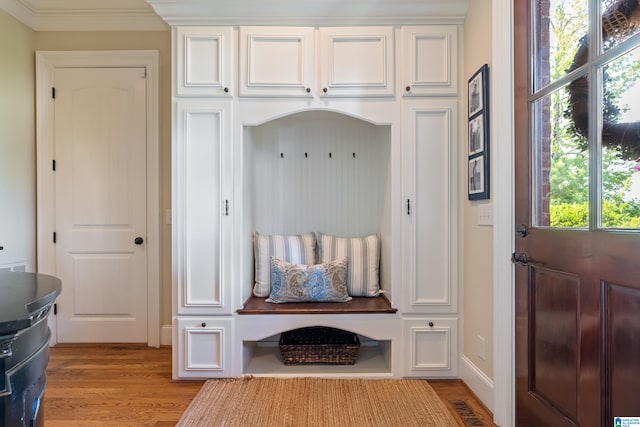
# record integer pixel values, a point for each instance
(204, 347)
(431, 347)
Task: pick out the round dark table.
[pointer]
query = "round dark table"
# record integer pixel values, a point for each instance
(25, 302)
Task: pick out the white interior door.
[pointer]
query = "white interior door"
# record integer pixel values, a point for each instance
(100, 198)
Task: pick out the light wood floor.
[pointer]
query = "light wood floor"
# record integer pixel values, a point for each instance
(130, 385)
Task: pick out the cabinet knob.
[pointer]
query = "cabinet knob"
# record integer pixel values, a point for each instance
(325, 90)
(431, 324)
(203, 324)
(308, 90)
(408, 88)
(138, 240)
(226, 90)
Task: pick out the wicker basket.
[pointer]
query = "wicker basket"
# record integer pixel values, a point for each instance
(318, 345)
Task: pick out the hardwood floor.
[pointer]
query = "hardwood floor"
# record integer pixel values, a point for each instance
(117, 385)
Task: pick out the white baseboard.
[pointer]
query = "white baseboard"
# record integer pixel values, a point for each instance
(165, 335)
(478, 382)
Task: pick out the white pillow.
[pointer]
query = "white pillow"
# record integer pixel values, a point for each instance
(298, 249)
(363, 253)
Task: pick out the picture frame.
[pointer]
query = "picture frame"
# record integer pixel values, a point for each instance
(478, 135)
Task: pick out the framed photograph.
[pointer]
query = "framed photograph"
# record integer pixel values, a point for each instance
(478, 134)
(476, 175)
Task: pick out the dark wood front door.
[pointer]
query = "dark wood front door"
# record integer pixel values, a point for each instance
(577, 243)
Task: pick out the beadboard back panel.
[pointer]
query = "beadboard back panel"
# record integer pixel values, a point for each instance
(317, 171)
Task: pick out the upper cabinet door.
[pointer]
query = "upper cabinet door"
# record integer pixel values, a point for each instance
(356, 61)
(203, 61)
(277, 61)
(430, 60)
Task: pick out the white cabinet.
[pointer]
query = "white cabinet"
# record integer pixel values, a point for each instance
(277, 61)
(357, 61)
(201, 201)
(430, 190)
(205, 347)
(431, 345)
(352, 61)
(431, 60)
(202, 61)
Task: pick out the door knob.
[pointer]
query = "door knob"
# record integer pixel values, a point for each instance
(521, 259)
(522, 230)
(138, 240)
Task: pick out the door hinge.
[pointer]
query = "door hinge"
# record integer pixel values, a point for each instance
(53, 92)
(408, 206)
(226, 208)
(53, 164)
(55, 309)
(55, 237)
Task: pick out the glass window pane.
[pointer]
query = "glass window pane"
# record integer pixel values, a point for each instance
(561, 28)
(619, 21)
(561, 163)
(621, 142)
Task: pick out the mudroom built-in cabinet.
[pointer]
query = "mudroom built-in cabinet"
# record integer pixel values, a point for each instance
(348, 131)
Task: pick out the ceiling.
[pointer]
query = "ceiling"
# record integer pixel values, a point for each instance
(157, 15)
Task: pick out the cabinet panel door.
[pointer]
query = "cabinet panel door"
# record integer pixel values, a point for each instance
(432, 347)
(277, 61)
(201, 197)
(203, 61)
(204, 347)
(430, 59)
(430, 188)
(357, 61)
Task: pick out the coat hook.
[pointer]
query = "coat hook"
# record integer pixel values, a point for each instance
(305, 155)
(354, 155)
(281, 155)
(329, 155)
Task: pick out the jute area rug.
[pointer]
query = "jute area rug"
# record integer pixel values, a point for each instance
(302, 402)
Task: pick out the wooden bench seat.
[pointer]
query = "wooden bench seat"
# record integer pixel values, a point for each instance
(358, 305)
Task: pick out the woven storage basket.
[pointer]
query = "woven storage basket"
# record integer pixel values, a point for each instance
(318, 345)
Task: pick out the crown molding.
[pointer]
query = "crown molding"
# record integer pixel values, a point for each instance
(154, 15)
(310, 12)
(85, 15)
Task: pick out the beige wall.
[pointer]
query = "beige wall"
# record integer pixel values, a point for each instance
(17, 143)
(140, 40)
(478, 240)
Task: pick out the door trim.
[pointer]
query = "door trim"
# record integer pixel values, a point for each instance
(502, 149)
(46, 64)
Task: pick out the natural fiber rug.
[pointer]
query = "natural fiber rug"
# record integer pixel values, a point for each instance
(302, 402)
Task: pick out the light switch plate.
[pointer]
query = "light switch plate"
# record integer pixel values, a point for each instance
(485, 214)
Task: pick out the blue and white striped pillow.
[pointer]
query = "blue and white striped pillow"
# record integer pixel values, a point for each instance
(363, 253)
(296, 249)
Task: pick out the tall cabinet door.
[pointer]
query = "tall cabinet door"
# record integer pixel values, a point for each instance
(201, 203)
(430, 211)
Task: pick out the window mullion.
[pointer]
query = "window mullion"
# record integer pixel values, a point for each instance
(595, 79)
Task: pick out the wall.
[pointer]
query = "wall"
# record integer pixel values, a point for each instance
(140, 40)
(478, 240)
(17, 143)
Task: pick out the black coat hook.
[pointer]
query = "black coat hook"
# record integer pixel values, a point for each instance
(329, 155)
(281, 155)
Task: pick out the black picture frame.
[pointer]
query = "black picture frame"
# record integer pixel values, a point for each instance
(478, 134)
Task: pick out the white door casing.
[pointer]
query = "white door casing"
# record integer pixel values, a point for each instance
(49, 66)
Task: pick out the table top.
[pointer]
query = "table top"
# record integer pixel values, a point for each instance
(23, 296)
